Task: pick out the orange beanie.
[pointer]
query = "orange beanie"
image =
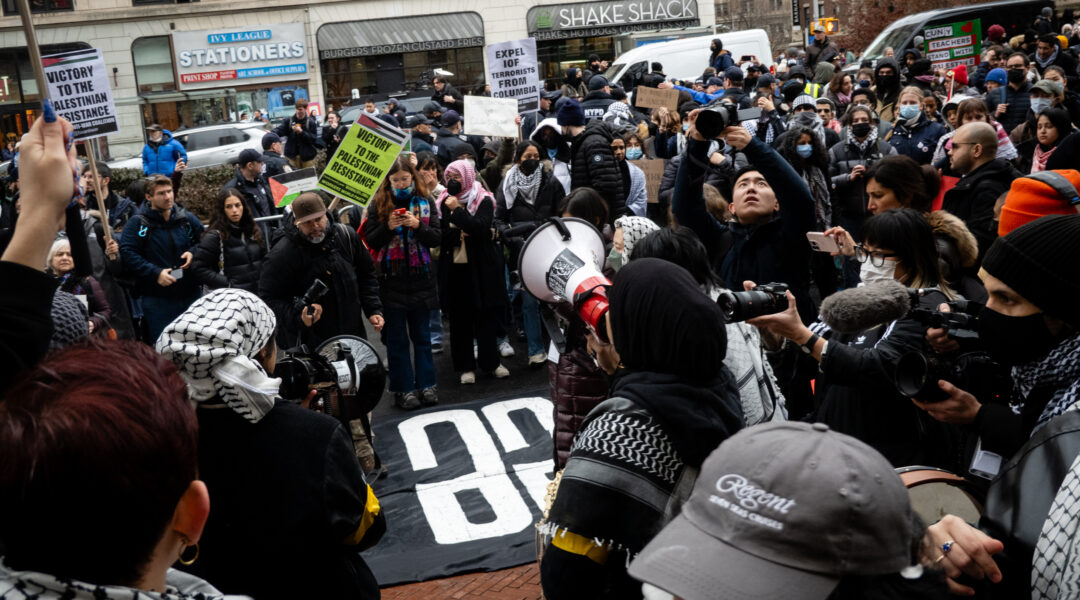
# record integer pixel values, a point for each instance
(1029, 199)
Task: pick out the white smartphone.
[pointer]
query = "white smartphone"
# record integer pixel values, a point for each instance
(177, 273)
(821, 242)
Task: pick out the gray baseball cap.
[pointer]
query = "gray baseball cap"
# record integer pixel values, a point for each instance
(782, 510)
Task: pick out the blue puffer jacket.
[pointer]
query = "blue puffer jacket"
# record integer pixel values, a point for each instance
(150, 244)
(162, 156)
(918, 142)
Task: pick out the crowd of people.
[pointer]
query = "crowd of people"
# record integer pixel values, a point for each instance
(697, 447)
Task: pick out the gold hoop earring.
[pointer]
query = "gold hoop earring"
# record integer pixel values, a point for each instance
(191, 560)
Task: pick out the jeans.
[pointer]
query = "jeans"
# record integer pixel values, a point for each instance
(159, 312)
(402, 326)
(530, 316)
(435, 324)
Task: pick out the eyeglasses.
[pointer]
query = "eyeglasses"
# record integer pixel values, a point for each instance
(822, 111)
(876, 258)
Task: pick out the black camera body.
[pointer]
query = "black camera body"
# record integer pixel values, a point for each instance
(763, 300)
(715, 118)
(345, 373)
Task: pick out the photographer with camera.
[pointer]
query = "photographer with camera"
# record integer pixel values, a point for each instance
(291, 508)
(767, 241)
(317, 250)
(1030, 325)
(855, 390)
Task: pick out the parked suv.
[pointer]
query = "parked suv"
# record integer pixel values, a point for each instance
(211, 145)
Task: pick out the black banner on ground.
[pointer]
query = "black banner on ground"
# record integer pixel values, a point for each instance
(465, 488)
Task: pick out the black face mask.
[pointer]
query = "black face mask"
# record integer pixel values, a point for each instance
(888, 81)
(1014, 340)
(453, 187)
(529, 166)
(860, 130)
(751, 83)
(551, 142)
(864, 83)
(1017, 76)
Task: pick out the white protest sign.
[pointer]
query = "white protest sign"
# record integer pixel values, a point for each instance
(80, 92)
(491, 116)
(513, 73)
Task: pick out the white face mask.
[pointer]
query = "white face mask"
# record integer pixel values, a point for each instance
(869, 273)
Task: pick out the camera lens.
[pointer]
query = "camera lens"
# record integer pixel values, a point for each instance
(740, 306)
(712, 121)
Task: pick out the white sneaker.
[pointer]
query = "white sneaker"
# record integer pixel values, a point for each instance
(501, 372)
(505, 349)
(468, 377)
(537, 360)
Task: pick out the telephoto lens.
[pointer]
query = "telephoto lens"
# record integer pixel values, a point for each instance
(762, 300)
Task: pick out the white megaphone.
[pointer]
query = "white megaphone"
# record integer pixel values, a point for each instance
(561, 262)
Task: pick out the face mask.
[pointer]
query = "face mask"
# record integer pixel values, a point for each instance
(1040, 104)
(552, 152)
(804, 150)
(453, 187)
(869, 273)
(909, 111)
(860, 130)
(404, 194)
(888, 81)
(633, 153)
(751, 82)
(864, 83)
(686, 127)
(529, 166)
(1017, 76)
(1014, 340)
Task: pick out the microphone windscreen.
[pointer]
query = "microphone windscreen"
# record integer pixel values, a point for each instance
(863, 307)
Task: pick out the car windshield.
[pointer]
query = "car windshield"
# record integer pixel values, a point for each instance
(893, 37)
(613, 70)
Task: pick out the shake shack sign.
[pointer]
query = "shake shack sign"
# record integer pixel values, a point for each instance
(612, 17)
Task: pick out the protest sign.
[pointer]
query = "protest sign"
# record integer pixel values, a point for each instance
(491, 116)
(407, 148)
(79, 88)
(648, 97)
(362, 160)
(954, 44)
(513, 73)
(287, 186)
(654, 172)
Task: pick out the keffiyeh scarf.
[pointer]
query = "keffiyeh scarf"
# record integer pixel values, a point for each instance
(519, 184)
(214, 344)
(871, 138)
(31, 585)
(634, 229)
(405, 254)
(1060, 370)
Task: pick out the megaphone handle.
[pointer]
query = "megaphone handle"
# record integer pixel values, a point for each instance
(563, 231)
(551, 324)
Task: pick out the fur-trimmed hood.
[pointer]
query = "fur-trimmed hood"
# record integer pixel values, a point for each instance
(946, 224)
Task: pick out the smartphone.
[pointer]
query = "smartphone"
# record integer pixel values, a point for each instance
(401, 212)
(177, 274)
(746, 58)
(821, 242)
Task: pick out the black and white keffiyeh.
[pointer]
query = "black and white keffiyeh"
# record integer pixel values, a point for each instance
(634, 229)
(871, 138)
(1059, 370)
(214, 344)
(1055, 566)
(31, 585)
(517, 183)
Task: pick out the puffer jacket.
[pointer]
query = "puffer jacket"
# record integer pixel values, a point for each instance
(958, 252)
(593, 165)
(917, 142)
(406, 290)
(848, 196)
(242, 264)
(161, 157)
(577, 386)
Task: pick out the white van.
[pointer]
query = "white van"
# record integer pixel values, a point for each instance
(687, 58)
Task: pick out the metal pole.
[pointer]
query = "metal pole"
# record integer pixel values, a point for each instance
(32, 48)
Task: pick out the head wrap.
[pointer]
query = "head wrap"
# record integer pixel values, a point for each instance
(214, 344)
(472, 193)
(634, 229)
(662, 322)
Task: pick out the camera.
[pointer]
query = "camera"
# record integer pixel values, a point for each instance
(345, 372)
(762, 300)
(970, 368)
(713, 119)
(314, 293)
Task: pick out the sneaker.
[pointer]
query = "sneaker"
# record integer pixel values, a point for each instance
(429, 396)
(537, 360)
(505, 349)
(468, 377)
(407, 401)
(501, 372)
(436, 348)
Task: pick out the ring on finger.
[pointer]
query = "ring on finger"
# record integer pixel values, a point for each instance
(939, 559)
(947, 546)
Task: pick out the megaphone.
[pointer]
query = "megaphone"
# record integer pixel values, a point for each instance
(561, 262)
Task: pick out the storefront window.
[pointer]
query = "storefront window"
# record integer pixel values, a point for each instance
(11, 7)
(9, 83)
(153, 64)
(369, 75)
(556, 56)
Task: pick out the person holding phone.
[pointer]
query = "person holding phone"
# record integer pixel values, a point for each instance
(158, 246)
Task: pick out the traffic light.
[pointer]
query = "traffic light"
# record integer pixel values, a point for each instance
(830, 25)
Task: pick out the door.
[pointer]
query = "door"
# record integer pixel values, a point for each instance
(390, 73)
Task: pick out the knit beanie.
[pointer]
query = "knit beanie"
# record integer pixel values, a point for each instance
(1041, 262)
(1030, 199)
(997, 76)
(70, 320)
(996, 32)
(570, 114)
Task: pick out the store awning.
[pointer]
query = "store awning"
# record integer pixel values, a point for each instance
(398, 35)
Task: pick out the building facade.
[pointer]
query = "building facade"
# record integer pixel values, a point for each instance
(185, 64)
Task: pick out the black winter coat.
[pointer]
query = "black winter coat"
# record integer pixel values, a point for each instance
(486, 264)
(304, 144)
(259, 198)
(593, 165)
(458, 105)
(849, 196)
(274, 162)
(405, 290)
(974, 196)
(721, 177)
(342, 262)
(520, 220)
(595, 104)
(243, 260)
(1019, 102)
